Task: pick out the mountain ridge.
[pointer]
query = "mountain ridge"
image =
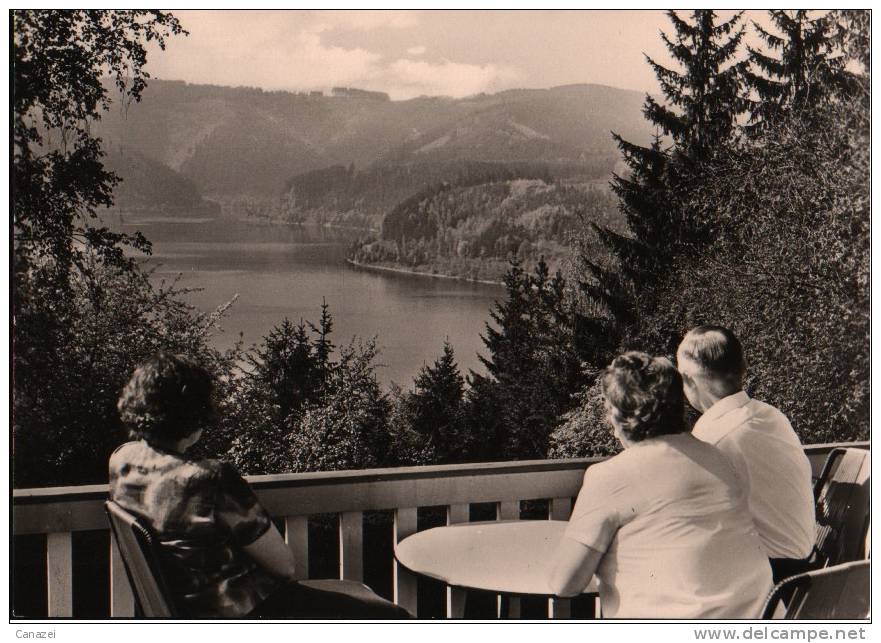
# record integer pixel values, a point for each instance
(233, 141)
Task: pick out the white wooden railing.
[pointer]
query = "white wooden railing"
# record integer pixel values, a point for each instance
(57, 512)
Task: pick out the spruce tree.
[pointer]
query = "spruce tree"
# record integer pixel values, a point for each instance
(533, 367)
(703, 101)
(285, 372)
(435, 407)
(322, 347)
(704, 97)
(802, 69)
(853, 31)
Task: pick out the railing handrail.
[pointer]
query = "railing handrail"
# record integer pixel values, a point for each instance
(349, 476)
(69, 509)
(271, 481)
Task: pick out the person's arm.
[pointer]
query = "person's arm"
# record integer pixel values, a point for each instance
(573, 566)
(272, 554)
(591, 529)
(250, 526)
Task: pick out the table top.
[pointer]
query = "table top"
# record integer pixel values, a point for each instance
(511, 557)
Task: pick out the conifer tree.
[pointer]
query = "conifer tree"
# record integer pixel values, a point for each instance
(286, 372)
(803, 67)
(704, 97)
(435, 407)
(533, 367)
(322, 347)
(853, 31)
(703, 100)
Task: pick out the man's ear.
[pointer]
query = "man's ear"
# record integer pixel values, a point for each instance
(687, 379)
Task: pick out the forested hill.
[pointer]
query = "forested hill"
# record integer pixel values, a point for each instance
(245, 141)
(150, 186)
(340, 195)
(471, 229)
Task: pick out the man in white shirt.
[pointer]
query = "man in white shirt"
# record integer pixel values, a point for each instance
(758, 440)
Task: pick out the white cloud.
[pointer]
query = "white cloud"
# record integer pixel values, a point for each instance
(291, 51)
(365, 20)
(314, 64)
(407, 78)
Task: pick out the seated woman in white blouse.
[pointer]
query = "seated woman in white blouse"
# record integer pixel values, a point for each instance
(664, 525)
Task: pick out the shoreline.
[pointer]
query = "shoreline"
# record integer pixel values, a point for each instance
(417, 273)
(302, 224)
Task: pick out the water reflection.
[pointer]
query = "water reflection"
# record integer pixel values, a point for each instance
(280, 271)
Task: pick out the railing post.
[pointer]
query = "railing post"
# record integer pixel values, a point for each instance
(457, 514)
(403, 580)
(456, 595)
(351, 545)
(122, 601)
(59, 572)
(559, 509)
(508, 510)
(296, 535)
(559, 608)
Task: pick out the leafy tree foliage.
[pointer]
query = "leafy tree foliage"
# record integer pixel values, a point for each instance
(285, 373)
(704, 98)
(349, 428)
(789, 271)
(853, 29)
(58, 179)
(302, 404)
(779, 254)
(83, 312)
(72, 356)
(583, 432)
(767, 235)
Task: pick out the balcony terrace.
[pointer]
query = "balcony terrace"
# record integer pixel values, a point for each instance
(59, 512)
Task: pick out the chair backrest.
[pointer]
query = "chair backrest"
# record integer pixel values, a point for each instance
(842, 497)
(141, 557)
(839, 592)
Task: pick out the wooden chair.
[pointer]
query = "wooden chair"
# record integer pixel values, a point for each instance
(842, 501)
(140, 555)
(839, 592)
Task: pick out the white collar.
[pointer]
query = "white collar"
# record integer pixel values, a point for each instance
(720, 408)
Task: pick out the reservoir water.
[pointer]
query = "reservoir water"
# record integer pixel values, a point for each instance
(282, 271)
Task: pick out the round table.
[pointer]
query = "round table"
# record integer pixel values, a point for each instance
(508, 557)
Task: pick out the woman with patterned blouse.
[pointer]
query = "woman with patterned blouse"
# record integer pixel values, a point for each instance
(222, 556)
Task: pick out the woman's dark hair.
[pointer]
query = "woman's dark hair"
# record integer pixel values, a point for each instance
(167, 399)
(644, 396)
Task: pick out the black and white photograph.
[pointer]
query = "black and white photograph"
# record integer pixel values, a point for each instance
(394, 316)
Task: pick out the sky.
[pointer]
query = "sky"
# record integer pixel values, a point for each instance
(413, 53)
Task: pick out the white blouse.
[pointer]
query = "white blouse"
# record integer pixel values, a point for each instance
(671, 518)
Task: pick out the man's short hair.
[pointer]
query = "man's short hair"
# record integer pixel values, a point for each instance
(715, 349)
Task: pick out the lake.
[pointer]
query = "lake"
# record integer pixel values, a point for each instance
(282, 271)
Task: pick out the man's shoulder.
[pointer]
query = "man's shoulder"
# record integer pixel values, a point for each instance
(772, 421)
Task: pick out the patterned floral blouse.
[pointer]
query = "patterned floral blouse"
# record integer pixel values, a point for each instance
(203, 513)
